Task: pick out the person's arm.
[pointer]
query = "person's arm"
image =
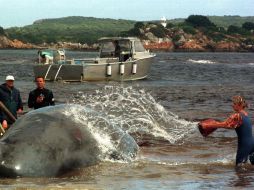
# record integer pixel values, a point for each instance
(51, 99)
(232, 122)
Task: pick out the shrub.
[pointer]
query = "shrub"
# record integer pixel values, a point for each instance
(159, 31)
(237, 30)
(199, 21)
(170, 25)
(217, 37)
(132, 32)
(176, 38)
(189, 29)
(248, 26)
(139, 25)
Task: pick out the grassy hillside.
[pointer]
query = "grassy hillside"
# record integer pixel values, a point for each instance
(226, 21)
(89, 29)
(69, 29)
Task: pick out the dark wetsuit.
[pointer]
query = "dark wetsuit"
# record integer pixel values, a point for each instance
(48, 98)
(245, 140)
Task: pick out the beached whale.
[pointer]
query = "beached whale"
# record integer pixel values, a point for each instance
(53, 140)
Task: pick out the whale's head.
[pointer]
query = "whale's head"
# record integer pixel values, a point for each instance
(51, 140)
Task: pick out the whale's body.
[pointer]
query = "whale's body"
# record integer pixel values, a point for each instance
(52, 140)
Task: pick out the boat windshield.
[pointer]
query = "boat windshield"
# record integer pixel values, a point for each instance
(138, 46)
(110, 48)
(125, 45)
(107, 49)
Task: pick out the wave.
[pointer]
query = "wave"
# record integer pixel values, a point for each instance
(219, 162)
(136, 112)
(227, 160)
(201, 61)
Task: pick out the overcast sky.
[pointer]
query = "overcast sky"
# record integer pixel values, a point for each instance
(25, 12)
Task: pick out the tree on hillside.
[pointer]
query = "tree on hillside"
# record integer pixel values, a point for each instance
(159, 31)
(199, 21)
(2, 31)
(248, 26)
(170, 25)
(237, 30)
(139, 25)
(135, 31)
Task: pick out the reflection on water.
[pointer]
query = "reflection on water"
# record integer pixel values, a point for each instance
(181, 88)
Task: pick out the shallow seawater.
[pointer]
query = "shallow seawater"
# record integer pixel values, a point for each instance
(161, 112)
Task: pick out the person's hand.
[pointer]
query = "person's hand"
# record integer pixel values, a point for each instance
(208, 123)
(5, 124)
(39, 99)
(20, 111)
(203, 123)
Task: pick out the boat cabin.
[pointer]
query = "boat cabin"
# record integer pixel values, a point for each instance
(122, 49)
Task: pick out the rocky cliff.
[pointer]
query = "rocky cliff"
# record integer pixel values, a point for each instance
(17, 44)
(175, 40)
(178, 40)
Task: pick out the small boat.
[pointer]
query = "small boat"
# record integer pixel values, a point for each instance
(120, 59)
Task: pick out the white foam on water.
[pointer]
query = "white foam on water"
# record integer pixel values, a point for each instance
(223, 161)
(201, 61)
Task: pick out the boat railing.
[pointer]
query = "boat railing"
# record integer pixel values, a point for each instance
(95, 60)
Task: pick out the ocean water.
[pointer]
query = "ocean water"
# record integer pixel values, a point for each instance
(161, 113)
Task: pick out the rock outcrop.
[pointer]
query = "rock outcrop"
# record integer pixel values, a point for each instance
(16, 44)
(228, 46)
(174, 40)
(193, 39)
(158, 46)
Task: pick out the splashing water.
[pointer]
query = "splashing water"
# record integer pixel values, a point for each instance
(111, 140)
(136, 112)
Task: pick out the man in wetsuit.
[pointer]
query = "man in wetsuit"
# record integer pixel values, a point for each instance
(241, 122)
(41, 96)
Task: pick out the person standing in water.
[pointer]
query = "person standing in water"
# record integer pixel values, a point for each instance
(241, 122)
(41, 96)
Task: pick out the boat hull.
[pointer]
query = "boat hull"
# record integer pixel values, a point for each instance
(133, 70)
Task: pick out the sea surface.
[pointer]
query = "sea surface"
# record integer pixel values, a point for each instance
(163, 109)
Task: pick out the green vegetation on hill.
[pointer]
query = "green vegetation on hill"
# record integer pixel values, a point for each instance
(2, 31)
(226, 21)
(69, 29)
(222, 21)
(88, 29)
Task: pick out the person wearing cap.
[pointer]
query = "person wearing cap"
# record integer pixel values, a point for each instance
(41, 96)
(10, 97)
